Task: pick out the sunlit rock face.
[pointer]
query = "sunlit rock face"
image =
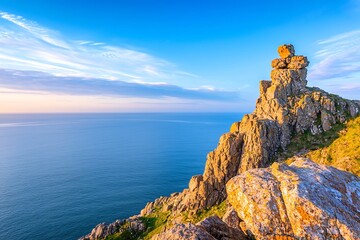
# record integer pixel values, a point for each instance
(300, 200)
(285, 107)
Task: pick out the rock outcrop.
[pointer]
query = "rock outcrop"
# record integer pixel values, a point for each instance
(286, 107)
(133, 224)
(103, 230)
(300, 200)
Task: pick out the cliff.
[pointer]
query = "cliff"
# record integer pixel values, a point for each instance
(285, 110)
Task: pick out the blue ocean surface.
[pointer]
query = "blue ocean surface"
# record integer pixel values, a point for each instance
(61, 174)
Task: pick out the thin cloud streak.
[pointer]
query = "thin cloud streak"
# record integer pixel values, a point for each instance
(39, 81)
(339, 56)
(337, 65)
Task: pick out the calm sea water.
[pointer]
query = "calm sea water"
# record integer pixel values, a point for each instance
(62, 174)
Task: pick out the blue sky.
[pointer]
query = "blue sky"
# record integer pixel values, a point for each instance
(136, 56)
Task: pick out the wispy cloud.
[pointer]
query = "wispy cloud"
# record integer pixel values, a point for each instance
(26, 45)
(339, 56)
(35, 29)
(337, 64)
(39, 81)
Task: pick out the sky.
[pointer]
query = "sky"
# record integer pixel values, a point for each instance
(167, 56)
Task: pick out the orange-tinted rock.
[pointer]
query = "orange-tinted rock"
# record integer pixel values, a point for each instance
(301, 200)
(298, 62)
(286, 50)
(279, 63)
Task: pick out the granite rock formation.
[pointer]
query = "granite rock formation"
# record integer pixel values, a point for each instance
(300, 200)
(286, 107)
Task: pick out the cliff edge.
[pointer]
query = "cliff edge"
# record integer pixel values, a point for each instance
(286, 108)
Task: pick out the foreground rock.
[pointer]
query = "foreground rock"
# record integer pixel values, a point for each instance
(301, 200)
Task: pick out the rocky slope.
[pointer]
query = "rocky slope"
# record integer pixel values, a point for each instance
(285, 109)
(344, 151)
(302, 200)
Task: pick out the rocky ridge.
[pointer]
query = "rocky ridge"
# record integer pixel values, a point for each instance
(286, 107)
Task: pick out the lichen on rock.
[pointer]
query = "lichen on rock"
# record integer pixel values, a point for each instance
(300, 200)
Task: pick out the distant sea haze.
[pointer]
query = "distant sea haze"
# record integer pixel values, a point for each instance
(61, 174)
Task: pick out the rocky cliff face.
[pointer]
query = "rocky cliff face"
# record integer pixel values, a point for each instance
(286, 107)
(302, 200)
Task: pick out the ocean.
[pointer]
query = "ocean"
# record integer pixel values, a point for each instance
(61, 174)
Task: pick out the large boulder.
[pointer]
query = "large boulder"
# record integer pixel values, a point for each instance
(300, 200)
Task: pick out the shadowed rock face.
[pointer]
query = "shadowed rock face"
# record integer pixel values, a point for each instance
(285, 107)
(302, 199)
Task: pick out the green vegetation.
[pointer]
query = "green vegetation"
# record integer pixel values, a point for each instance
(124, 233)
(308, 141)
(339, 147)
(156, 222)
(218, 210)
(343, 152)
